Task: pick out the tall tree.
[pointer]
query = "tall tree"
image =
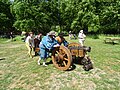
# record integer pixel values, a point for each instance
(44, 15)
(6, 18)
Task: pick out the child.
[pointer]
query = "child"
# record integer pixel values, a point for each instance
(37, 41)
(30, 44)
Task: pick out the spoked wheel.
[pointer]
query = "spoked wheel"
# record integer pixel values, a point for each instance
(62, 58)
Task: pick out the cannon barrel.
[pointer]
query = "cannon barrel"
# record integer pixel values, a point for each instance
(85, 48)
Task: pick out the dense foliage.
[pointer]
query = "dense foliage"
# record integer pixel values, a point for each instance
(6, 18)
(95, 16)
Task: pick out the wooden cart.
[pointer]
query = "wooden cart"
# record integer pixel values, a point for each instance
(62, 57)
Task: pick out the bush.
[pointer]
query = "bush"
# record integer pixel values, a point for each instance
(94, 36)
(17, 38)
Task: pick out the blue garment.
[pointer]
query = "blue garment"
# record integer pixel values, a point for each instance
(65, 43)
(46, 45)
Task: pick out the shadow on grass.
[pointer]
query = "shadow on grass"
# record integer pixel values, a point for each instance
(86, 63)
(2, 59)
(50, 62)
(78, 61)
(72, 67)
(113, 43)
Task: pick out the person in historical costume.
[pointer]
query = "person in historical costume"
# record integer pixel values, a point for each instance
(81, 37)
(47, 44)
(60, 38)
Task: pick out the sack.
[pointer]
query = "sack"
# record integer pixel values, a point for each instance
(87, 64)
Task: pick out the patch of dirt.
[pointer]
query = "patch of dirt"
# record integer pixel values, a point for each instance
(15, 46)
(11, 45)
(76, 79)
(1, 73)
(23, 82)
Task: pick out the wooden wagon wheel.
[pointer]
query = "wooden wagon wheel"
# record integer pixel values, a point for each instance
(62, 58)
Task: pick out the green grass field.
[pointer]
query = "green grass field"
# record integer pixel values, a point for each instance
(19, 72)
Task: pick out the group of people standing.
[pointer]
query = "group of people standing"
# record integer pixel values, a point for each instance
(48, 43)
(81, 36)
(72, 35)
(32, 42)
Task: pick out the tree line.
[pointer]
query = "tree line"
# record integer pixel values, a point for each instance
(93, 16)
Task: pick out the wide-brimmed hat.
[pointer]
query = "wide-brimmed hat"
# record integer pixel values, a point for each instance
(52, 33)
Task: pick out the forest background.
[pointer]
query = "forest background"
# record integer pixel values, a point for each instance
(93, 16)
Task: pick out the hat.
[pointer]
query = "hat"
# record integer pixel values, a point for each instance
(52, 33)
(23, 33)
(30, 32)
(81, 31)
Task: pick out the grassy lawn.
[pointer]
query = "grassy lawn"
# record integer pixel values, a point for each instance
(19, 72)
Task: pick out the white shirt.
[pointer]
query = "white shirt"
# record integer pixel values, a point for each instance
(81, 36)
(30, 41)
